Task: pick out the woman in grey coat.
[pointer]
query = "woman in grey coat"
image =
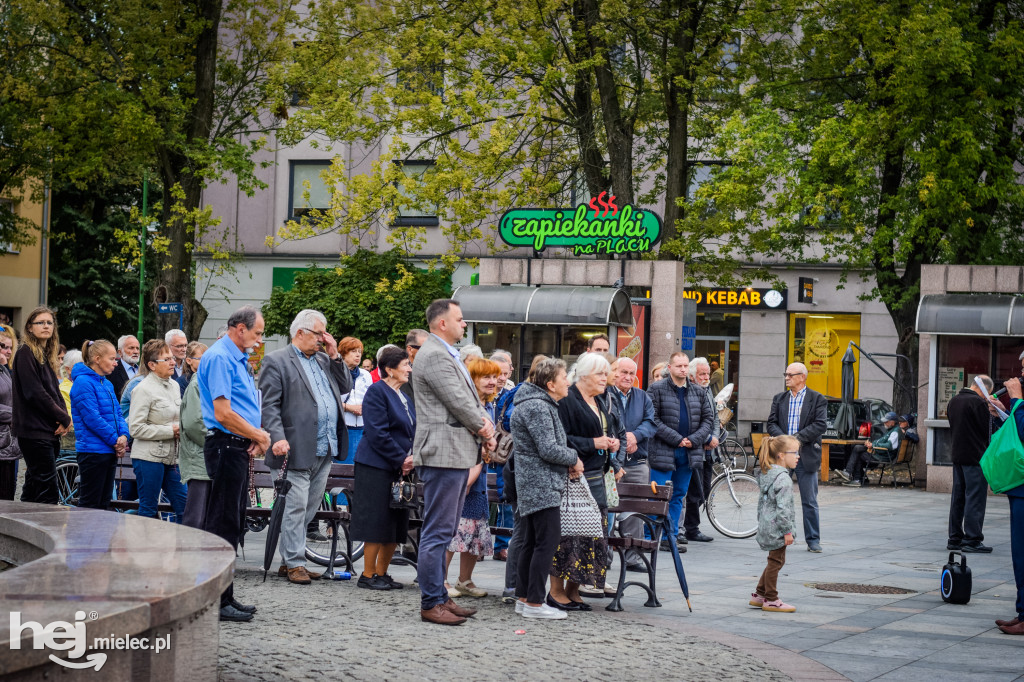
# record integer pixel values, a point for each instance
(542, 459)
(10, 453)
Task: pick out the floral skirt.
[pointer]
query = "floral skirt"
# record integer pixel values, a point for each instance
(474, 537)
(581, 560)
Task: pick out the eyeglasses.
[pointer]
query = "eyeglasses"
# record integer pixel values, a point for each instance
(318, 335)
(44, 323)
(5, 346)
(416, 346)
(163, 360)
(791, 452)
(794, 374)
(179, 345)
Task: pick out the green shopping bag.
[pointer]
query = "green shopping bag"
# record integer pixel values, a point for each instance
(1003, 461)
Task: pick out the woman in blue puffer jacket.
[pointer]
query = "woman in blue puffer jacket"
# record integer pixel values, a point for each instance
(101, 433)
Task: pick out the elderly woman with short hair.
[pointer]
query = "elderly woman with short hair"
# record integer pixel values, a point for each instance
(700, 459)
(588, 425)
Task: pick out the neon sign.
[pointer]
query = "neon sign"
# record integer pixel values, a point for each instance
(609, 230)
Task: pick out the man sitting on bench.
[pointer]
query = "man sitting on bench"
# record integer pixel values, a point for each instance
(883, 449)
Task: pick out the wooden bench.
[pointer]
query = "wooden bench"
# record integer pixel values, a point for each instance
(904, 458)
(341, 481)
(649, 503)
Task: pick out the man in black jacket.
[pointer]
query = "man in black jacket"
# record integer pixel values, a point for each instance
(127, 365)
(969, 428)
(801, 412)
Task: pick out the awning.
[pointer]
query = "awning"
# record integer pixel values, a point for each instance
(545, 305)
(971, 315)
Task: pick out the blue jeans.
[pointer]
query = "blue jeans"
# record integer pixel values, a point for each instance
(152, 477)
(355, 434)
(680, 484)
(444, 491)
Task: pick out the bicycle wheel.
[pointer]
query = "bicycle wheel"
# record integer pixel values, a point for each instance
(732, 504)
(67, 483)
(318, 543)
(254, 524)
(742, 459)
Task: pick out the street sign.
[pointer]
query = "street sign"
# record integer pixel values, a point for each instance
(170, 309)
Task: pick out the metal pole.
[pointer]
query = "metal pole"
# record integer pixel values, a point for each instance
(142, 249)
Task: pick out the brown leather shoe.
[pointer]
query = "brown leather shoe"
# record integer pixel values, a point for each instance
(501, 555)
(1017, 629)
(1007, 623)
(460, 611)
(282, 572)
(298, 576)
(441, 616)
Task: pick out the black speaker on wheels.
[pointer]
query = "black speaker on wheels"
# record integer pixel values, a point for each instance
(955, 580)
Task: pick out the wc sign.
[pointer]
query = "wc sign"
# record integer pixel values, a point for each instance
(60, 635)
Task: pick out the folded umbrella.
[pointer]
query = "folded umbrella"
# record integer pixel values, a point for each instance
(281, 487)
(680, 573)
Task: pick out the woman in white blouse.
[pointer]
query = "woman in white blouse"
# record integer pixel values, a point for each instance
(351, 350)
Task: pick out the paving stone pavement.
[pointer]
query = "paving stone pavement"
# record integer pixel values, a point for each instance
(876, 536)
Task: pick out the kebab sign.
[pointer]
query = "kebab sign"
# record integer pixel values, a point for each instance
(597, 227)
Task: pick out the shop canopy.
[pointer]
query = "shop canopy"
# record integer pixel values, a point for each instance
(545, 305)
(971, 315)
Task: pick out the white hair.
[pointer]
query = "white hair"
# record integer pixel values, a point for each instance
(305, 320)
(381, 350)
(695, 363)
(587, 364)
(501, 356)
(71, 358)
(171, 334)
(470, 351)
(121, 340)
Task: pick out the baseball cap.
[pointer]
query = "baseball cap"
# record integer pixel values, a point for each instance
(891, 417)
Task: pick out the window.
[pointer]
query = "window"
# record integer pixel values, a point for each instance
(305, 173)
(7, 218)
(700, 174)
(428, 80)
(413, 210)
(819, 341)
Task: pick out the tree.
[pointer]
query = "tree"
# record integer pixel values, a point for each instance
(882, 136)
(514, 104)
(94, 298)
(180, 86)
(375, 297)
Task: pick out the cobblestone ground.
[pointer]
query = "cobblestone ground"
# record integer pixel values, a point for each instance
(334, 630)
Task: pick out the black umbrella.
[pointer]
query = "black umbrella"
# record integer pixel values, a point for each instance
(679, 563)
(846, 417)
(281, 487)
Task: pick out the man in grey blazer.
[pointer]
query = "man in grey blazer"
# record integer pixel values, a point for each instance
(450, 426)
(807, 426)
(302, 410)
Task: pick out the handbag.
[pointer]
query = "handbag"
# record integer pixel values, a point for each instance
(504, 439)
(403, 494)
(611, 489)
(1003, 461)
(580, 515)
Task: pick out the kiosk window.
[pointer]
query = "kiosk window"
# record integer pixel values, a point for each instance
(819, 341)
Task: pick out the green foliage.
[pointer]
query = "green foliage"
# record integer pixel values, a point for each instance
(375, 297)
(93, 297)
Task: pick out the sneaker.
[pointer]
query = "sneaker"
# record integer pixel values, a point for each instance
(395, 585)
(508, 596)
(840, 473)
(814, 547)
(373, 583)
(544, 612)
(756, 600)
(468, 589)
(852, 484)
(778, 605)
(519, 606)
(975, 549)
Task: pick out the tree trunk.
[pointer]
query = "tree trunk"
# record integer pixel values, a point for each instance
(678, 98)
(176, 277)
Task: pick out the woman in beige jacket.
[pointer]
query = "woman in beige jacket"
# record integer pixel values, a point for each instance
(153, 422)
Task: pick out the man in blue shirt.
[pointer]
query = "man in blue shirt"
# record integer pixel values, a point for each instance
(302, 409)
(231, 412)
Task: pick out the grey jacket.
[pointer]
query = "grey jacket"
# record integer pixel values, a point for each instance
(662, 448)
(448, 410)
(8, 443)
(776, 514)
(289, 408)
(540, 450)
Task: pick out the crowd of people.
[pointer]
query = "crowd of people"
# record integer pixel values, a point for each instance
(192, 417)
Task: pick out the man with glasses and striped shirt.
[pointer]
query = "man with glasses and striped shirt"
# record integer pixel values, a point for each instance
(801, 412)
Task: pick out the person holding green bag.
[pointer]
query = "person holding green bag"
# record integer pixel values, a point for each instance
(1004, 468)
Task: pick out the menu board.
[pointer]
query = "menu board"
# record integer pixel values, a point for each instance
(950, 381)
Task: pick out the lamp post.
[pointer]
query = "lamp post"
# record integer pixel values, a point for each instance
(142, 249)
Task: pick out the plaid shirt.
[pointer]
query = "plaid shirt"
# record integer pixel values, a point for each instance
(796, 405)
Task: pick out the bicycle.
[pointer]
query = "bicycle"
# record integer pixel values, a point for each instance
(731, 502)
(318, 538)
(733, 455)
(68, 480)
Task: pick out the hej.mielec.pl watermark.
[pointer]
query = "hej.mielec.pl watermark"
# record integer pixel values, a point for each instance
(60, 635)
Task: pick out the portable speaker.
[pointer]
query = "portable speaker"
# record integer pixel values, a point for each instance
(955, 581)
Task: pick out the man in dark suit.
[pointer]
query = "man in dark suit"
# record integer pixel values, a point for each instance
(302, 410)
(969, 429)
(127, 365)
(801, 412)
